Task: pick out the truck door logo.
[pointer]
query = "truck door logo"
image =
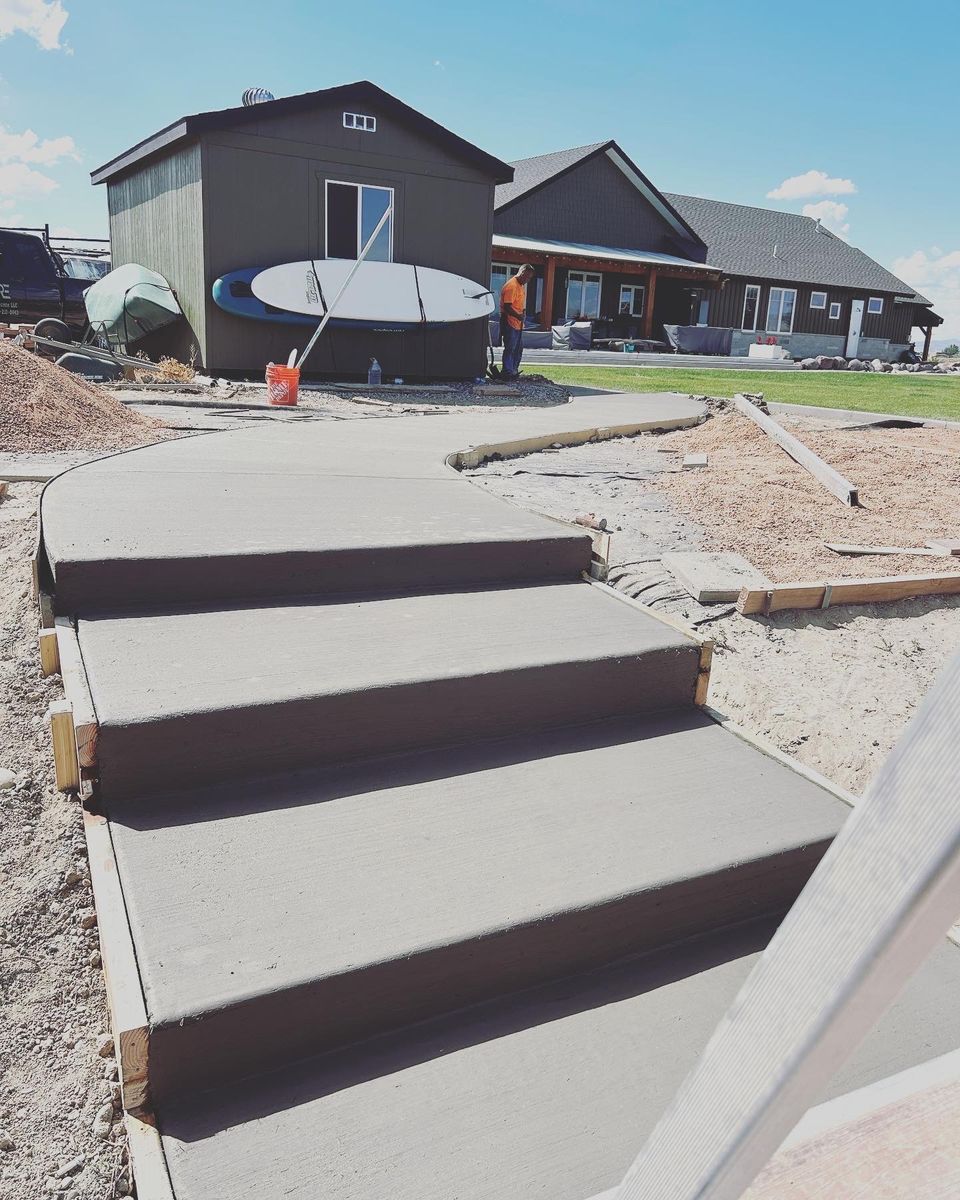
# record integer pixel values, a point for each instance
(5, 291)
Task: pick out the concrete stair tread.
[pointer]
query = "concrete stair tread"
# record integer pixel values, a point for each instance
(548, 1094)
(191, 697)
(391, 890)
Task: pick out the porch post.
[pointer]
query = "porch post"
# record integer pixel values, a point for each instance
(648, 307)
(927, 335)
(546, 309)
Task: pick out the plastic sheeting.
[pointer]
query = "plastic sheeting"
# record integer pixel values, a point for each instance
(699, 339)
(578, 335)
(129, 303)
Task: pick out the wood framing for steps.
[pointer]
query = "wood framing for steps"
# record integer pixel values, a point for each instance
(706, 644)
(764, 601)
(73, 721)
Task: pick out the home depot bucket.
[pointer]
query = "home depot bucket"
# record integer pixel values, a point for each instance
(282, 384)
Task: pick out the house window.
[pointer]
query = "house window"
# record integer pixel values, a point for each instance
(835, 311)
(359, 121)
(703, 310)
(353, 211)
(780, 308)
(751, 307)
(818, 299)
(631, 299)
(499, 274)
(875, 306)
(583, 295)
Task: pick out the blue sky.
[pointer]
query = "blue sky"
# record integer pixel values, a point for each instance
(854, 102)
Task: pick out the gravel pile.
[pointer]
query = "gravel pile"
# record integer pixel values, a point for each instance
(43, 407)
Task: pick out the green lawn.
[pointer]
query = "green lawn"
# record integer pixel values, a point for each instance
(901, 395)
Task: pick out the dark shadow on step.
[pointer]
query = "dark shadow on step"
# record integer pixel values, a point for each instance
(201, 1116)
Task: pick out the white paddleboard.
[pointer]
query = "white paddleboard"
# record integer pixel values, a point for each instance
(379, 293)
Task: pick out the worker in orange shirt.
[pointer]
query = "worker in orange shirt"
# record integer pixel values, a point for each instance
(513, 306)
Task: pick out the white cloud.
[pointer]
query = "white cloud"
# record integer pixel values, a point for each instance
(831, 213)
(27, 147)
(43, 20)
(438, 63)
(811, 183)
(937, 276)
(18, 180)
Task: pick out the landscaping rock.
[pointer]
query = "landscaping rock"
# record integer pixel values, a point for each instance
(808, 364)
(7, 779)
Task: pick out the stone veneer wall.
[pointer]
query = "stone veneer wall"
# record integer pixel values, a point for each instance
(809, 345)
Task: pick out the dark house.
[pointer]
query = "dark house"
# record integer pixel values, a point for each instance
(273, 183)
(611, 248)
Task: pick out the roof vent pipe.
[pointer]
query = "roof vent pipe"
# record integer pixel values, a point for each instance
(256, 95)
(776, 246)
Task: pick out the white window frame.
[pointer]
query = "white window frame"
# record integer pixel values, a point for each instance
(360, 121)
(751, 287)
(633, 288)
(793, 309)
(875, 312)
(584, 276)
(835, 310)
(511, 269)
(377, 187)
(823, 300)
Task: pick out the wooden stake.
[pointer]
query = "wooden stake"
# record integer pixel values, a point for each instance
(60, 714)
(49, 654)
(832, 480)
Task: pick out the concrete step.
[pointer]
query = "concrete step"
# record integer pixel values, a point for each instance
(546, 1094)
(189, 698)
(278, 918)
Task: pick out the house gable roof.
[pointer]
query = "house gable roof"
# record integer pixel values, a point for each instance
(532, 174)
(766, 243)
(362, 92)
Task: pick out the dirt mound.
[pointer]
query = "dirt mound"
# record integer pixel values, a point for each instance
(44, 407)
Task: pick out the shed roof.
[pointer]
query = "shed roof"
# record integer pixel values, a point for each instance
(742, 239)
(361, 92)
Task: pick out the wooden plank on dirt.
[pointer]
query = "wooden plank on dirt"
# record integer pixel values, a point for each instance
(77, 690)
(65, 763)
(945, 545)
(782, 596)
(853, 549)
(832, 480)
(128, 1013)
(693, 461)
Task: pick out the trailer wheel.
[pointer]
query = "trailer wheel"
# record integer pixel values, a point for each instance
(51, 327)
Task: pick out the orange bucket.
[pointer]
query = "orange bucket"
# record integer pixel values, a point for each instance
(282, 384)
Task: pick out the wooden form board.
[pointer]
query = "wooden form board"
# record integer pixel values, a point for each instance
(832, 480)
(66, 766)
(128, 1013)
(782, 596)
(148, 1160)
(854, 549)
(78, 693)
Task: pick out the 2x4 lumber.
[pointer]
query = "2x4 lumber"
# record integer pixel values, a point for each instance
(147, 1159)
(844, 591)
(832, 480)
(49, 654)
(77, 690)
(853, 548)
(128, 1013)
(66, 766)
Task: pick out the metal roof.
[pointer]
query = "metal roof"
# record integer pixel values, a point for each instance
(584, 250)
(361, 92)
(769, 244)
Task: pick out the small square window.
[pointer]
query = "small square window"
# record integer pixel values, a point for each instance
(875, 305)
(835, 311)
(359, 121)
(818, 299)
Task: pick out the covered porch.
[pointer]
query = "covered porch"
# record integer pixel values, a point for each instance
(624, 293)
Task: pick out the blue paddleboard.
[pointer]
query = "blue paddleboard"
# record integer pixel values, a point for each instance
(232, 293)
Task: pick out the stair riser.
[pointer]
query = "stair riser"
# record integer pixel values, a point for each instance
(281, 1027)
(112, 585)
(196, 749)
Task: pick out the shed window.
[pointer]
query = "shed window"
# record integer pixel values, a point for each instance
(353, 211)
(632, 297)
(359, 121)
(818, 299)
(835, 311)
(780, 308)
(875, 305)
(751, 306)
(583, 294)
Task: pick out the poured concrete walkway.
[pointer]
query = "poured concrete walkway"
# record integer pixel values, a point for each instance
(437, 879)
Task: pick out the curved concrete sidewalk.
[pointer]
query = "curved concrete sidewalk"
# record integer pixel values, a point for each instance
(379, 767)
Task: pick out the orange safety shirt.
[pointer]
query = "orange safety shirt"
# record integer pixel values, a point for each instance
(513, 298)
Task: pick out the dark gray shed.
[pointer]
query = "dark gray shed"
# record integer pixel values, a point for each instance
(247, 187)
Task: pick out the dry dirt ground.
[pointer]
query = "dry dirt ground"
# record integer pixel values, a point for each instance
(833, 688)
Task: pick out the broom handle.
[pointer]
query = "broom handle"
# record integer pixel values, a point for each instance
(350, 274)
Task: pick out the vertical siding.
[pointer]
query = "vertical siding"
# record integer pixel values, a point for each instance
(156, 220)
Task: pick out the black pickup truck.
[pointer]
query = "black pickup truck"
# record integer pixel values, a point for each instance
(35, 286)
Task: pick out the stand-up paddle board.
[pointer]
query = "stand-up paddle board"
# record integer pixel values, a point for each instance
(380, 293)
(232, 293)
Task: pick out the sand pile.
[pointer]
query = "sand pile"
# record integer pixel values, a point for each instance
(44, 407)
